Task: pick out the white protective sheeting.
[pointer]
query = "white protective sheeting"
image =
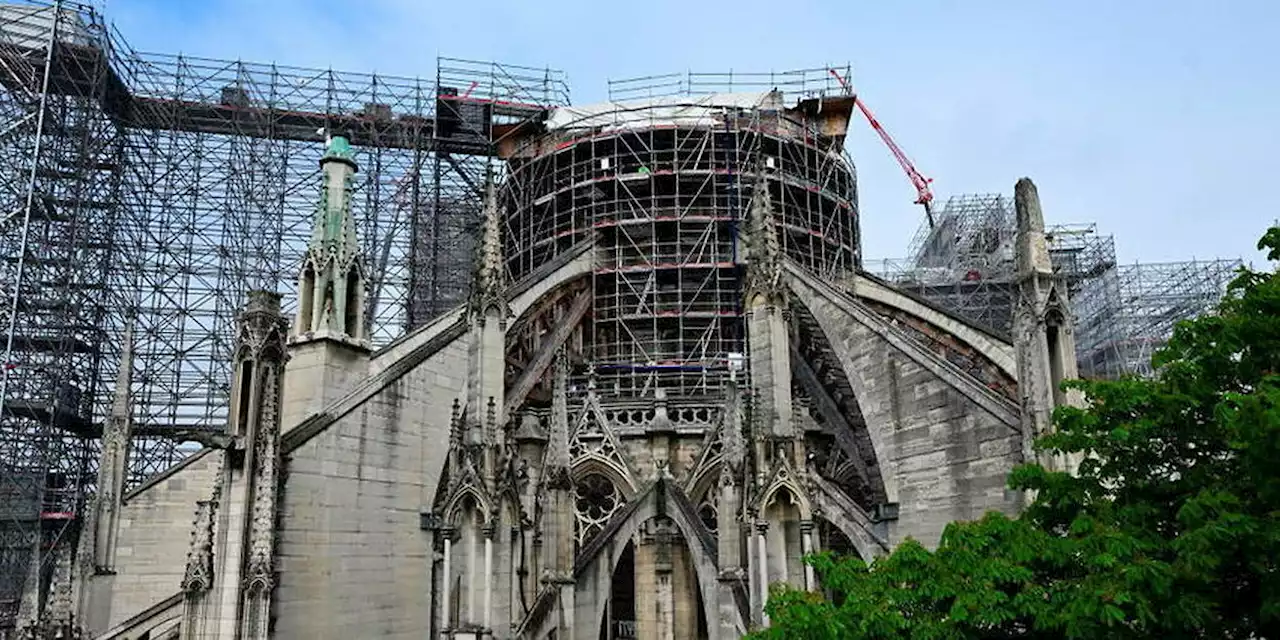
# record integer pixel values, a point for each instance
(685, 111)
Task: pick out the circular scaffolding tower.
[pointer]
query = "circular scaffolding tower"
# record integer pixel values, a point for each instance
(664, 187)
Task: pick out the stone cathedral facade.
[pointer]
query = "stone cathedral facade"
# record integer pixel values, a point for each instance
(670, 383)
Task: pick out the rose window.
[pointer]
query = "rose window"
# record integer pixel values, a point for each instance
(597, 501)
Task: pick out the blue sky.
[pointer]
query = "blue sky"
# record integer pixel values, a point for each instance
(1156, 120)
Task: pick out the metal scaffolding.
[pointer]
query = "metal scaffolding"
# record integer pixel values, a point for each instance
(1126, 314)
(158, 189)
(155, 190)
(663, 185)
(795, 83)
(965, 263)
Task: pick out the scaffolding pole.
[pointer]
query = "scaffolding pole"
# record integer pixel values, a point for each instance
(1123, 313)
(662, 186)
(163, 187)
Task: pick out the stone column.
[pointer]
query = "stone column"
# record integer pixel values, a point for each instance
(473, 572)
(515, 579)
(666, 590)
(762, 546)
(244, 553)
(447, 583)
(780, 535)
(488, 576)
(1043, 339)
(806, 547)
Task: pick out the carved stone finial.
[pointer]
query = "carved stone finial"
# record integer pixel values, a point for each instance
(489, 287)
(120, 405)
(764, 283)
(456, 425)
(113, 466)
(661, 422)
(262, 330)
(199, 572)
(734, 447)
(557, 456)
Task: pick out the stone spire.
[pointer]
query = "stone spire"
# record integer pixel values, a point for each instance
(1032, 249)
(766, 307)
(197, 577)
(1044, 342)
(246, 558)
(331, 285)
(113, 467)
(557, 500)
(457, 435)
(729, 532)
(488, 318)
(764, 252)
(120, 404)
(488, 287)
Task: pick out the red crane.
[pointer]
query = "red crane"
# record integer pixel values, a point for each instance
(924, 195)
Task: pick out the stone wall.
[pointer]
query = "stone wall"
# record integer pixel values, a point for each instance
(951, 457)
(155, 534)
(945, 442)
(353, 561)
(319, 373)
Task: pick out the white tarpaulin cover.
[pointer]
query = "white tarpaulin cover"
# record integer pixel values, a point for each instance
(686, 111)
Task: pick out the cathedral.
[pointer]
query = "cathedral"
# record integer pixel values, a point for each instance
(670, 382)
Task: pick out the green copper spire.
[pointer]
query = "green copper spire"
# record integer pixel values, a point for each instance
(334, 228)
(338, 148)
(331, 285)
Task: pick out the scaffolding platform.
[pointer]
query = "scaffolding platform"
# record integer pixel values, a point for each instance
(160, 188)
(1123, 313)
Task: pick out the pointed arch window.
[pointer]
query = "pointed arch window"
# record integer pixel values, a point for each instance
(1054, 327)
(351, 322)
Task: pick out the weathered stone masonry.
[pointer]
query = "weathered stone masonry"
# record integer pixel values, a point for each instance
(593, 445)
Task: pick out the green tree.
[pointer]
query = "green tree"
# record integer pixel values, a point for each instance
(1169, 529)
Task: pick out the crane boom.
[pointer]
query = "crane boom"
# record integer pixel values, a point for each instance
(924, 195)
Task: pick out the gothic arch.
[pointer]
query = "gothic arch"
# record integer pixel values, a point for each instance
(845, 515)
(455, 504)
(530, 298)
(705, 568)
(704, 478)
(514, 507)
(787, 482)
(590, 463)
(842, 317)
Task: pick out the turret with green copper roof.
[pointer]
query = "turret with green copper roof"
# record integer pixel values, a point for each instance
(338, 148)
(331, 285)
(334, 229)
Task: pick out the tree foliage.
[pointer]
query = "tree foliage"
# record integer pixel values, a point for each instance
(1169, 529)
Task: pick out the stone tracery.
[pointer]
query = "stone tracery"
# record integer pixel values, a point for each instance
(596, 501)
